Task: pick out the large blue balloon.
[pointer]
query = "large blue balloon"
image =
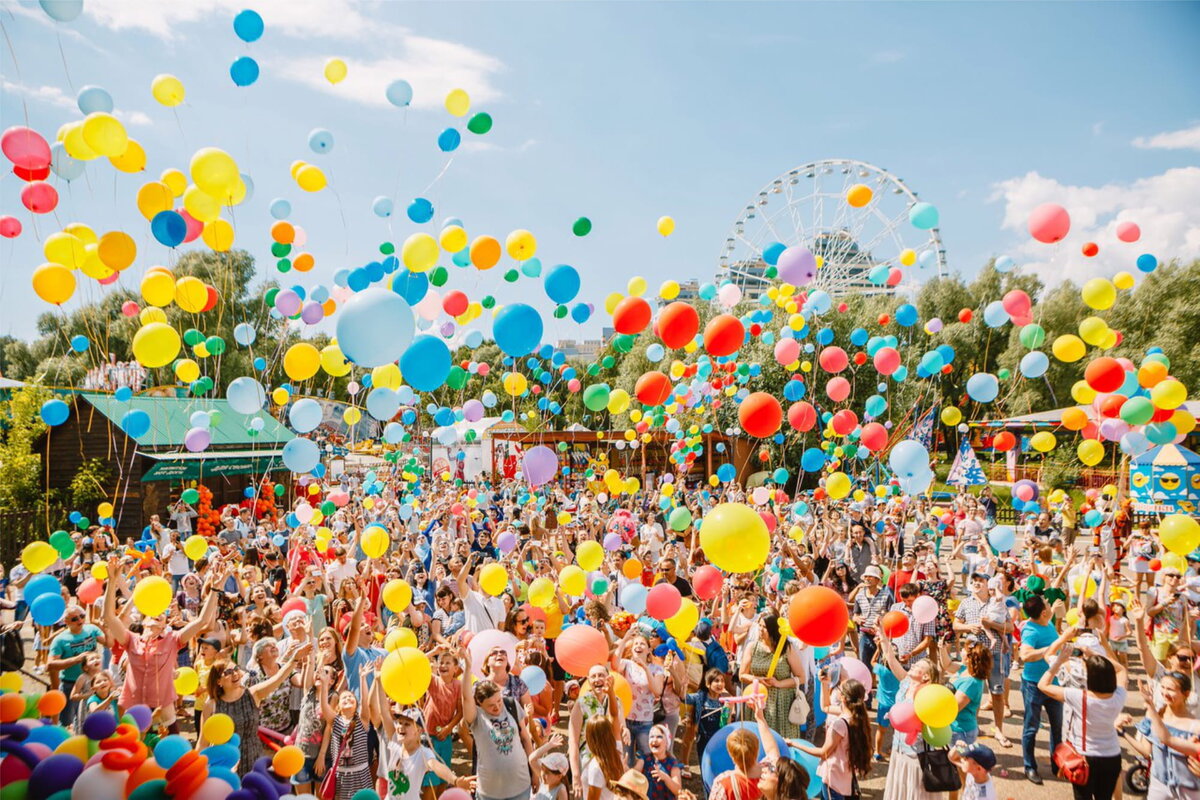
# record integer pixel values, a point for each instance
(633, 598)
(244, 71)
(716, 758)
(517, 329)
(39, 585)
(425, 365)
(1002, 538)
(169, 228)
(906, 315)
(375, 327)
(55, 412)
(62, 11)
(245, 395)
(301, 455)
(92, 99)
(982, 387)
(449, 140)
(305, 415)
(812, 460)
(248, 25)
(135, 423)
(48, 608)
(383, 403)
(561, 283)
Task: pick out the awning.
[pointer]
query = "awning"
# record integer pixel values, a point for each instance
(198, 466)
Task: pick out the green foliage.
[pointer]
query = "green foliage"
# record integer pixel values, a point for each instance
(90, 482)
(20, 466)
(1060, 468)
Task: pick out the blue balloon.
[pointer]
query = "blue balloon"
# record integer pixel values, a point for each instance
(1147, 262)
(280, 208)
(923, 216)
(80, 343)
(244, 71)
(245, 395)
(982, 387)
(1035, 363)
(420, 210)
(170, 749)
(39, 585)
(123, 394)
(383, 403)
(726, 473)
(581, 312)
(449, 140)
(399, 93)
(716, 758)
(301, 455)
(55, 412)
(244, 334)
(425, 365)
(62, 10)
(1161, 432)
(633, 598)
(772, 252)
(320, 140)
(906, 315)
(858, 337)
(810, 762)
(249, 186)
(48, 609)
(561, 283)
(168, 228)
(655, 353)
(1003, 264)
(812, 460)
(374, 327)
(517, 329)
(412, 286)
(994, 314)
(248, 26)
(305, 415)
(1002, 538)
(535, 679)
(383, 206)
(92, 99)
(63, 165)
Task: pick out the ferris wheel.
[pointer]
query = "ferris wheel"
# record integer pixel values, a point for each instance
(863, 238)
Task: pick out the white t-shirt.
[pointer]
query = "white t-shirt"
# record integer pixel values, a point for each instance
(652, 538)
(402, 771)
(177, 560)
(482, 612)
(337, 572)
(978, 791)
(1102, 736)
(593, 775)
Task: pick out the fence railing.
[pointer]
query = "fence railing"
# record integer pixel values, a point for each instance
(19, 528)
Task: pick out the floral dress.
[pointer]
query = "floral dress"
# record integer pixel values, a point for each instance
(274, 709)
(779, 700)
(943, 625)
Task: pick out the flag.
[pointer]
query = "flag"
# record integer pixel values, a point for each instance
(966, 471)
(922, 431)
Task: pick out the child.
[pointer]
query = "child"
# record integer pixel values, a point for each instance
(551, 770)
(83, 685)
(709, 714)
(886, 687)
(403, 760)
(443, 709)
(1118, 632)
(631, 786)
(976, 763)
(103, 696)
(663, 773)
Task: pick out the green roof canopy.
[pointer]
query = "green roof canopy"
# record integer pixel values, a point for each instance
(170, 419)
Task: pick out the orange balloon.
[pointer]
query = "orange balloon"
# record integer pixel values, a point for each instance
(652, 388)
(723, 335)
(148, 770)
(329, 306)
(12, 706)
(283, 232)
(621, 689)
(303, 262)
(632, 569)
(631, 315)
(1074, 419)
(52, 702)
(485, 252)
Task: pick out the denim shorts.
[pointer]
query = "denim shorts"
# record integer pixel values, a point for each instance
(1001, 665)
(307, 773)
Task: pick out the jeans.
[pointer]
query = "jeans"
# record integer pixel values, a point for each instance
(867, 647)
(830, 794)
(67, 717)
(1035, 701)
(639, 735)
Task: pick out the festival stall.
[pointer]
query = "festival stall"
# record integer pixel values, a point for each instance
(1166, 480)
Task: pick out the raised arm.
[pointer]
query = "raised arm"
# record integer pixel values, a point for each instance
(112, 622)
(260, 690)
(468, 696)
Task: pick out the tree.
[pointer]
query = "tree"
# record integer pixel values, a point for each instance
(20, 466)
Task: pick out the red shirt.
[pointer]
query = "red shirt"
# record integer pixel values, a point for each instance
(901, 577)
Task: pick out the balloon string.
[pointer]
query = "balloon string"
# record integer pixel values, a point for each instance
(439, 175)
(63, 55)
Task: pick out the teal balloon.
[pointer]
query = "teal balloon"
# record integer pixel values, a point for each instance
(426, 363)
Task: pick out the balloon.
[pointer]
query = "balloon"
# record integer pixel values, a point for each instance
(169, 228)
(579, 648)
(894, 624)
(152, 595)
(760, 415)
(26, 148)
(517, 329)
(924, 611)
(678, 324)
(375, 327)
(301, 455)
(156, 345)
(397, 595)
(1168, 394)
(539, 465)
(1034, 364)
(652, 388)
(48, 609)
(982, 387)
(1048, 223)
(735, 538)
(923, 216)
(723, 335)
(375, 540)
(1002, 538)
(245, 395)
(665, 226)
(493, 579)
(802, 416)
(335, 70)
(1068, 348)
(797, 265)
(535, 679)
(589, 555)
(167, 90)
(631, 316)
(243, 71)
(399, 93)
(818, 616)
(935, 705)
(39, 197)
(1099, 293)
(1179, 533)
(248, 26)
(663, 601)
(561, 283)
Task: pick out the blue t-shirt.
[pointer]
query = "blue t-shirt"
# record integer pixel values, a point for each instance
(1036, 636)
(69, 645)
(353, 662)
(887, 685)
(968, 717)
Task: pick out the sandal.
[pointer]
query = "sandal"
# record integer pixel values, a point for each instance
(1000, 738)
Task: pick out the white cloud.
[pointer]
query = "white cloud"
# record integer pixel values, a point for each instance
(1186, 139)
(1163, 206)
(164, 18)
(888, 56)
(50, 95)
(133, 117)
(482, 146)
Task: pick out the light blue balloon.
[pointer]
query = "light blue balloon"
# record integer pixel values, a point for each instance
(1161, 432)
(80, 343)
(301, 455)
(994, 314)
(200, 419)
(927, 259)
(406, 394)
(906, 315)
(875, 405)
(561, 283)
(425, 365)
(63, 165)
(246, 395)
(244, 334)
(320, 140)
(375, 327)
(170, 749)
(473, 339)
(382, 403)
(1135, 443)
(923, 216)
(280, 208)
(982, 387)
(383, 206)
(305, 415)
(535, 679)
(633, 598)
(135, 423)
(62, 10)
(812, 460)
(1034, 364)
(517, 329)
(393, 433)
(1003, 264)
(489, 399)
(908, 457)
(655, 353)
(707, 291)
(1002, 538)
(581, 312)
(399, 93)
(819, 302)
(249, 186)
(93, 99)
(55, 412)
(772, 252)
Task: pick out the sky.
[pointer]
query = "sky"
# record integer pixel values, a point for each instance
(625, 112)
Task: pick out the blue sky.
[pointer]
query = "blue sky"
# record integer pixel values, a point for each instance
(625, 112)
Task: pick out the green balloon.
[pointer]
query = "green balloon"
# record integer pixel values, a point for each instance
(192, 337)
(279, 249)
(624, 342)
(83, 523)
(561, 447)
(680, 519)
(1032, 336)
(595, 397)
(1004, 374)
(190, 496)
(279, 489)
(936, 737)
(215, 345)
(387, 248)
(63, 543)
(151, 790)
(512, 276)
(269, 297)
(14, 790)
(771, 272)
(328, 507)
(284, 265)
(481, 123)
(582, 227)
(608, 362)
(439, 276)
(488, 301)
(1137, 410)
(457, 378)
(593, 369)
(560, 312)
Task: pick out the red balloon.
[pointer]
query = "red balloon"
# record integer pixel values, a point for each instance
(36, 174)
(39, 197)
(25, 148)
(965, 315)
(768, 519)
(294, 604)
(1104, 374)
(760, 415)
(802, 415)
(662, 602)
(887, 360)
(1090, 249)
(10, 227)
(818, 616)
(581, 647)
(455, 303)
(1155, 564)
(707, 582)
(631, 315)
(844, 421)
(723, 335)
(89, 591)
(1110, 406)
(838, 389)
(833, 359)
(677, 325)
(1049, 223)
(213, 298)
(893, 624)
(874, 437)
(1004, 441)
(652, 389)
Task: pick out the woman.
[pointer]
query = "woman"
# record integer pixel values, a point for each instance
(606, 764)
(781, 778)
(646, 680)
(502, 744)
(1101, 701)
(1171, 739)
(846, 754)
(969, 686)
(841, 581)
(904, 769)
(496, 669)
(227, 694)
(788, 679)
(275, 707)
(597, 699)
(315, 680)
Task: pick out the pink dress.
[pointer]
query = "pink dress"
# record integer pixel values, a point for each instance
(150, 677)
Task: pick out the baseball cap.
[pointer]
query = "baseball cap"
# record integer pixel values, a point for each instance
(982, 755)
(212, 642)
(873, 572)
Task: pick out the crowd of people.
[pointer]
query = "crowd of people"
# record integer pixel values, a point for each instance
(286, 627)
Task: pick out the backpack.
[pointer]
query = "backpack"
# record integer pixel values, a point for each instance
(715, 657)
(12, 650)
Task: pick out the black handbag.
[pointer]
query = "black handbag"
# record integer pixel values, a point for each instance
(937, 773)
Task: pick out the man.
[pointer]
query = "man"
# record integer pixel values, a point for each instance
(917, 641)
(669, 575)
(340, 568)
(989, 504)
(182, 515)
(907, 572)
(483, 612)
(230, 534)
(67, 653)
(871, 600)
(244, 524)
(1039, 642)
(983, 617)
(861, 552)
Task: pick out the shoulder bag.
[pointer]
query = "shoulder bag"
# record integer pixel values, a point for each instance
(1071, 763)
(938, 774)
(329, 783)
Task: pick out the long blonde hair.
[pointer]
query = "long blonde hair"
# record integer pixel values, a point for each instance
(601, 742)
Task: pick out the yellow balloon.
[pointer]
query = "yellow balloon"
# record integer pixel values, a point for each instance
(99, 571)
(951, 416)
(935, 705)
(908, 257)
(156, 345)
(1043, 441)
(1123, 280)
(1082, 393)
(310, 178)
(117, 250)
(1168, 394)
(195, 546)
(493, 579)
(1068, 348)
(301, 361)
(335, 70)
(1090, 452)
(54, 283)
(610, 302)
(152, 595)
(105, 134)
(386, 377)
(458, 102)
(214, 171)
(636, 286)
(419, 252)
(399, 637)
(238, 194)
(572, 581)
(168, 90)
(218, 235)
(1099, 293)
(453, 238)
(203, 207)
(589, 555)
(187, 370)
(154, 197)
(541, 592)
(684, 621)
(218, 729)
(1093, 330)
(618, 401)
(838, 485)
(38, 556)
(186, 681)
(859, 195)
(515, 383)
(191, 294)
(405, 675)
(132, 160)
(666, 226)
(12, 682)
(375, 542)
(200, 350)
(521, 245)
(158, 288)
(352, 416)
(296, 167)
(735, 538)
(1179, 533)
(669, 290)
(397, 595)
(175, 180)
(66, 249)
(1183, 421)
(334, 362)
(76, 146)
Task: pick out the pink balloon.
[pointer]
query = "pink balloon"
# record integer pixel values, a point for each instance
(300, 237)
(853, 669)
(484, 369)
(129, 308)
(25, 148)
(539, 465)
(573, 385)
(797, 266)
(485, 642)
(10, 227)
(663, 601)
(194, 226)
(1129, 232)
(787, 351)
(924, 609)
(1017, 303)
(887, 360)
(111, 279)
(1049, 223)
(833, 359)
(904, 717)
(934, 325)
(430, 306)
(40, 198)
(838, 389)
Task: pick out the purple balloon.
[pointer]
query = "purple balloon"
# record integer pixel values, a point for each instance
(472, 410)
(797, 266)
(142, 715)
(539, 465)
(53, 774)
(287, 302)
(612, 541)
(197, 439)
(1114, 429)
(100, 725)
(506, 542)
(447, 329)
(312, 314)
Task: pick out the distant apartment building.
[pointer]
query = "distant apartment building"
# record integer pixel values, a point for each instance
(585, 350)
